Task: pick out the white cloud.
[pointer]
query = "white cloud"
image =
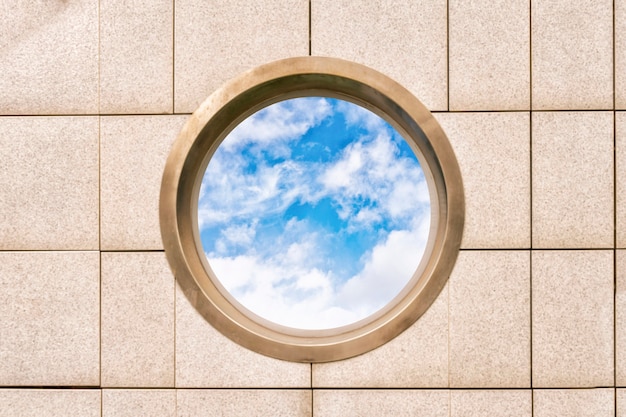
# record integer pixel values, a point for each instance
(289, 288)
(235, 194)
(236, 235)
(371, 170)
(279, 124)
(387, 270)
(286, 287)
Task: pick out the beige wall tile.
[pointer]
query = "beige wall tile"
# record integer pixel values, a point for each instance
(501, 403)
(217, 41)
(490, 320)
(416, 358)
(572, 54)
(493, 150)
(620, 402)
(620, 318)
(48, 183)
(620, 178)
(134, 150)
(406, 41)
(380, 403)
(489, 55)
(572, 179)
(136, 56)
(243, 403)
(49, 403)
(574, 403)
(138, 402)
(49, 318)
(207, 359)
(49, 57)
(572, 318)
(137, 320)
(620, 54)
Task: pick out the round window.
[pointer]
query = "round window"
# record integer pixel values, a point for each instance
(311, 209)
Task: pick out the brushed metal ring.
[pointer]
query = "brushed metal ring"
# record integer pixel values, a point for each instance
(233, 103)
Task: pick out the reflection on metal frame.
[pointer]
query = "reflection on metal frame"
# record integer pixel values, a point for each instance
(233, 103)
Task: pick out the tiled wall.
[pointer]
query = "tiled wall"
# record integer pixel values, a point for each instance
(532, 95)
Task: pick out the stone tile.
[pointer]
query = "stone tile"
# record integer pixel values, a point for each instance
(138, 402)
(572, 179)
(574, 403)
(134, 150)
(490, 320)
(620, 54)
(572, 318)
(379, 403)
(49, 318)
(136, 56)
(620, 178)
(416, 358)
(572, 54)
(48, 183)
(49, 57)
(207, 359)
(621, 402)
(137, 320)
(49, 403)
(489, 55)
(243, 403)
(501, 403)
(492, 146)
(405, 40)
(217, 41)
(620, 318)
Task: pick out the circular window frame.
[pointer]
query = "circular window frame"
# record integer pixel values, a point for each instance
(223, 111)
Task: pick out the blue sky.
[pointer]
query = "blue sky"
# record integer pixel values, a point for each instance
(314, 213)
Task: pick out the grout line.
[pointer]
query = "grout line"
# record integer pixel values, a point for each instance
(530, 208)
(100, 252)
(310, 28)
(614, 225)
(312, 393)
(614, 252)
(260, 388)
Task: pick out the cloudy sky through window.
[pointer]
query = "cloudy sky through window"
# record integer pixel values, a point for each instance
(314, 213)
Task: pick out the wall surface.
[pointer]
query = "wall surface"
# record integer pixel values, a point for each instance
(532, 95)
